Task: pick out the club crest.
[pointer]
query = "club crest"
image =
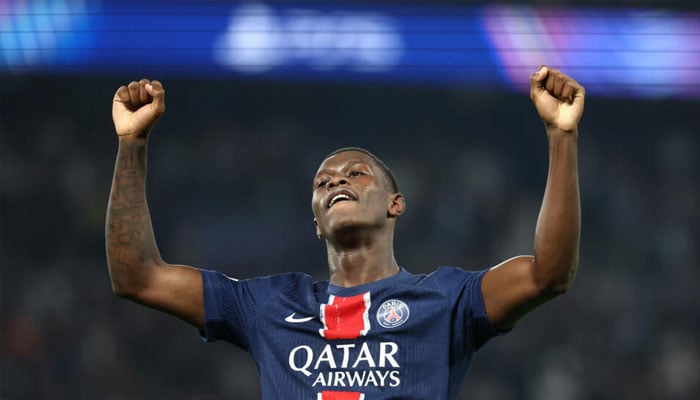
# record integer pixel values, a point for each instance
(392, 313)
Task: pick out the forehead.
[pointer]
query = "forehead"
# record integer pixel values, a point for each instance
(341, 159)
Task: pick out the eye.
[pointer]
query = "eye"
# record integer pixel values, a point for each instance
(321, 183)
(353, 174)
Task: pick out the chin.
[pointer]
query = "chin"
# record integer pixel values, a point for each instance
(342, 227)
(345, 225)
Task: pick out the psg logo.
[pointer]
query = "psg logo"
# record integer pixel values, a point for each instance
(392, 313)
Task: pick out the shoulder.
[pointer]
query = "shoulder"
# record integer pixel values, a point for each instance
(291, 281)
(448, 281)
(454, 276)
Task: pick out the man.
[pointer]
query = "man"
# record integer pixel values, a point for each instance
(374, 330)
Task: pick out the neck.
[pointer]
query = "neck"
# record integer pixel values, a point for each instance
(363, 263)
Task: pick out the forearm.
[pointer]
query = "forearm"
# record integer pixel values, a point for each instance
(130, 242)
(558, 225)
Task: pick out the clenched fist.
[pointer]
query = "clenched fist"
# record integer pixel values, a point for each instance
(137, 107)
(558, 99)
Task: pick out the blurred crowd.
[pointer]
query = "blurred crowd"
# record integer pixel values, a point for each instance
(229, 188)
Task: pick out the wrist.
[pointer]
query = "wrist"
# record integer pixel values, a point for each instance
(556, 133)
(131, 139)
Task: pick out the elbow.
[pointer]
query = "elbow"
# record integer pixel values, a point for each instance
(129, 281)
(557, 284)
(121, 291)
(121, 288)
(555, 289)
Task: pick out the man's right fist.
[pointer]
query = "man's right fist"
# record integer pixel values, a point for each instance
(137, 107)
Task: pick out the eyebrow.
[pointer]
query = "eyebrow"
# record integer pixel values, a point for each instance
(347, 165)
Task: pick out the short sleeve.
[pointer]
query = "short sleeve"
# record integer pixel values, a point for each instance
(222, 317)
(477, 328)
(470, 324)
(231, 306)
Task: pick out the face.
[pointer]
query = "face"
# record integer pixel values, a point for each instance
(350, 191)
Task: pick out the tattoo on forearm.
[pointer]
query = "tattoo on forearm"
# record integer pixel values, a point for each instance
(129, 176)
(129, 231)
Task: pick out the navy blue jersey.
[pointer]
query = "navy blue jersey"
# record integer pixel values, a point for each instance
(407, 336)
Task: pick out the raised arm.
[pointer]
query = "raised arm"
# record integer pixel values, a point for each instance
(520, 284)
(135, 266)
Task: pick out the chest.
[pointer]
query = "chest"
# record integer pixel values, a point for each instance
(364, 339)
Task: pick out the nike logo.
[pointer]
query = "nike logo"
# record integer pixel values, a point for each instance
(290, 318)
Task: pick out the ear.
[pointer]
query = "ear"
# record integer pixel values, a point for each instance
(397, 205)
(318, 231)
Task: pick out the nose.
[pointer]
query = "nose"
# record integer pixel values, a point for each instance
(337, 181)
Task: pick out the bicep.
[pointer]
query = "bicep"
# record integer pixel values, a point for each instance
(510, 291)
(176, 290)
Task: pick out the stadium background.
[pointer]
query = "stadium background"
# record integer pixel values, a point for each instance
(230, 168)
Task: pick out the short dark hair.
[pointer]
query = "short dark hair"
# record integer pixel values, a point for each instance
(388, 174)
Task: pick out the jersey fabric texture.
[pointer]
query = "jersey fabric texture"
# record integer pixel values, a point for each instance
(408, 336)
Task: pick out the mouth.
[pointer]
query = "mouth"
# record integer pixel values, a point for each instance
(340, 196)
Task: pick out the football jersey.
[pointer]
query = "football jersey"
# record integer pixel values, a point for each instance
(408, 336)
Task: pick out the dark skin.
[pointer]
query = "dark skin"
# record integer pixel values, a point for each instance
(358, 229)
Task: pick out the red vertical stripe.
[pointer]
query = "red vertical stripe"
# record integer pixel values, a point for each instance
(331, 395)
(345, 317)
